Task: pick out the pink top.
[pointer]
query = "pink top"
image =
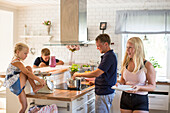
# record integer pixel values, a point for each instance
(138, 78)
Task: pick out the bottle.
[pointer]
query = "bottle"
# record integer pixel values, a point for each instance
(25, 30)
(52, 61)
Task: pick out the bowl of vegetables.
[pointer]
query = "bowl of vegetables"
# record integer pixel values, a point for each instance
(86, 67)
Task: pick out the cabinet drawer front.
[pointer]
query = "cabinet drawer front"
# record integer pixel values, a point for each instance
(90, 106)
(162, 88)
(79, 101)
(90, 95)
(158, 102)
(81, 109)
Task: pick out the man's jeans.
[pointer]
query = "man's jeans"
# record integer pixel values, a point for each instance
(103, 103)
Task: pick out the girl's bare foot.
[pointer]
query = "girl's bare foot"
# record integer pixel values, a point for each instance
(42, 82)
(37, 87)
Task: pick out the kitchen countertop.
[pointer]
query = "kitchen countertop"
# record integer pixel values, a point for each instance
(56, 70)
(2, 74)
(62, 95)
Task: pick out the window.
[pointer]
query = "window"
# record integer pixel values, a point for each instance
(156, 46)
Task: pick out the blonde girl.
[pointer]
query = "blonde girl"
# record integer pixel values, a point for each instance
(139, 73)
(17, 75)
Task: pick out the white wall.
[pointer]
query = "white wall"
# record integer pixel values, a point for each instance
(6, 34)
(33, 17)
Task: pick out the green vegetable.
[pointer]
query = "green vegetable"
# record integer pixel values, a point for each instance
(86, 65)
(75, 67)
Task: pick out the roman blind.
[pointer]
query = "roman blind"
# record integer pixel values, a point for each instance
(142, 22)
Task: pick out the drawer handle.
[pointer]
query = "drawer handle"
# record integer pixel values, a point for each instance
(90, 103)
(152, 97)
(81, 108)
(79, 99)
(90, 94)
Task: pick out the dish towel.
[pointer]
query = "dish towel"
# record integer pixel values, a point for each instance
(46, 109)
(49, 109)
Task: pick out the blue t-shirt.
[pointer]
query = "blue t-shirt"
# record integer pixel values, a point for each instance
(40, 59)
(104, 82)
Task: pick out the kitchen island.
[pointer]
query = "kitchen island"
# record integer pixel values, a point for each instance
(67, 101)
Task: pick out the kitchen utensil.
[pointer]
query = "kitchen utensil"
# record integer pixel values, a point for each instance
(52, 61)
(48, 88)
(74, 84)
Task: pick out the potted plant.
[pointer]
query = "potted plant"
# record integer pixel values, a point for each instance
(154, 62)
(48, 24)
(74, 68)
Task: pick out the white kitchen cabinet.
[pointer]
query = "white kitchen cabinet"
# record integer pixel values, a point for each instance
(159, 99)
(158, 102)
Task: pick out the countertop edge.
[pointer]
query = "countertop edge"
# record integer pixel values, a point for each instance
(54, 97)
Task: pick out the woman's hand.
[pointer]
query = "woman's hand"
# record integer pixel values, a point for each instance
(136, 88)
(117, 84)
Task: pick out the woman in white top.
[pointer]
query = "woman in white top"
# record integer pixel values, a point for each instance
(139, 73)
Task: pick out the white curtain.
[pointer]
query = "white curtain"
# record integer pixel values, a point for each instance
(143, 22)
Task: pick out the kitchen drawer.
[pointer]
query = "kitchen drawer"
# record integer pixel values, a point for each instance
(162, 88)
(90, 105)
(90, 95)
(158, 102)
(81, 109)
(79, 101)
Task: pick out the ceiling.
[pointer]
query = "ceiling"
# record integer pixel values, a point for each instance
(19, 3)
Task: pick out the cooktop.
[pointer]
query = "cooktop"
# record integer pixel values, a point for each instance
(65, 87)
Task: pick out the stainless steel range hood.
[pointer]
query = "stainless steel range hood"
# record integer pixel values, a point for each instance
(73, 23)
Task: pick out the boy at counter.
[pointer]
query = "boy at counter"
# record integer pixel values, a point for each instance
(43, 61)
(105, 74)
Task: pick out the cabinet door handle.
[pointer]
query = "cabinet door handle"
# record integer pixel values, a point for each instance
(81, 108)
(79, 99)
(152, 96)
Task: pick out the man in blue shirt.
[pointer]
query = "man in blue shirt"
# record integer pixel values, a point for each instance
(106, 75)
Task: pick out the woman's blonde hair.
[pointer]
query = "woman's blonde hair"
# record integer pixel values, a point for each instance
(19, 47)
(139, 54)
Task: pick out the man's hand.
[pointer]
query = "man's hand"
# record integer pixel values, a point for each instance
(91, 82)
(74, 75)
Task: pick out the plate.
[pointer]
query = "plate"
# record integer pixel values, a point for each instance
(123, 87)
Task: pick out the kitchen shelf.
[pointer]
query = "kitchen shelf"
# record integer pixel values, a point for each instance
(58, 43)
(64, 43)
(35, 36)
